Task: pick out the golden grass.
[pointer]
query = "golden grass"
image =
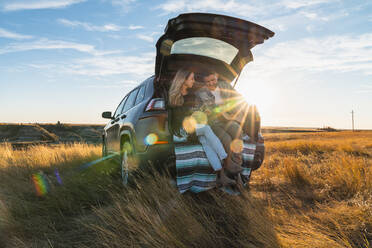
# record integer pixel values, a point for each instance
(23, 215)
(44, 155)
(319, 189)
(314, 190)
(144, 218)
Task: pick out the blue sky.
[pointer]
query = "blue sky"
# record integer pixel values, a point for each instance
(70, 60)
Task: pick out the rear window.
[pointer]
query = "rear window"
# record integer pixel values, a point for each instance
(205, 46)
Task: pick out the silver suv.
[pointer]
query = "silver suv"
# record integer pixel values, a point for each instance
(138, 130)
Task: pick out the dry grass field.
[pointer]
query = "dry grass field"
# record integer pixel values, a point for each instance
(313, 190)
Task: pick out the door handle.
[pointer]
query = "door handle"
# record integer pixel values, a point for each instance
(116, 120)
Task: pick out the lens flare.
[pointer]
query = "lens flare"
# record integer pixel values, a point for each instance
(59, 180)
(151, 139)
(200, 117)
(89, 164)
(217, 110)
(40, 183)
(236, 146)
(189, 124)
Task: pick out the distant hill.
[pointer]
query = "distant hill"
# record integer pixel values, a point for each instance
(50, 133)
(293, 129)
(66, 133)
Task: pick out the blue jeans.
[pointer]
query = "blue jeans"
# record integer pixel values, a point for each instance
(212, 146)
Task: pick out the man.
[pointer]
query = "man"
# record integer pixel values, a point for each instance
(223, 120)
(234, 107)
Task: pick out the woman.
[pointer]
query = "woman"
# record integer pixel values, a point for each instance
(181, 103)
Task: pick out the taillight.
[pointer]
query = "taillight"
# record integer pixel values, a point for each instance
(156, 104)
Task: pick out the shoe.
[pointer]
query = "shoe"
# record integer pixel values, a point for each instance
(223, 180)
(231, 167)
(239, 183)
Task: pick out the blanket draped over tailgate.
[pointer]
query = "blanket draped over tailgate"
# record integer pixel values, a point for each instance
(194, 173)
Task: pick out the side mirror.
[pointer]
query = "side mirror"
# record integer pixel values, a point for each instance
(107, 115)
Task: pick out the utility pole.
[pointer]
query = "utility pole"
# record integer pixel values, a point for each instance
(352, 119)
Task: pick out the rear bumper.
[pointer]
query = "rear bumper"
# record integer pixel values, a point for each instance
(160, 155)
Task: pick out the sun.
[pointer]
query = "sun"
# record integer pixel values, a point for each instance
(256, 92)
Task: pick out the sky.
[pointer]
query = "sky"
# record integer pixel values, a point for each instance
(70, 60)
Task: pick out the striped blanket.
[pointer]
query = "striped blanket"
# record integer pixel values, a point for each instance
(194, 173)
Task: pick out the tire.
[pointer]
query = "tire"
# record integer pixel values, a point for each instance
(104, 149)
(127, 162)
(124, 168)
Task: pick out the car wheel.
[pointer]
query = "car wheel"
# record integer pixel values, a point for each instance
(124, 168)
(104, 149)
(127, 162)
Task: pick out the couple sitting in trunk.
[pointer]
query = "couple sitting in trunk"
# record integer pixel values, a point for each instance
(210, 113)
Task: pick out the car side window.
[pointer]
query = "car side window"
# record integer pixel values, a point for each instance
(149, 87)
(130, 101)
(140, 95)
(120, 107)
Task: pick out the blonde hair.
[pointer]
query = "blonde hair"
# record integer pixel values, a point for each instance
(175, 96)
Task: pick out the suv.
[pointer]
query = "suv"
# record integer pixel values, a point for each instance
(139, 130)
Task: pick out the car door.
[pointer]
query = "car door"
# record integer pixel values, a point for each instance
(207, 40)
(122, 119)
(113, 128)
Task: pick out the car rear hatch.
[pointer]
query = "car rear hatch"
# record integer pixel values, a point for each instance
(206, 41)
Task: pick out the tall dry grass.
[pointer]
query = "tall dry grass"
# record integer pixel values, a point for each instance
(314, 190)
(26, 220)
(156, 215)
(319, 189)
(46, 156)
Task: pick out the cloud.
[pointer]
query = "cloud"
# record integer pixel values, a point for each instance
(366, 88)
(148, 38)
(312, 16)
(295, 4)
(310, 28)
(281, 19)
(113, 85)
(39, 4)
(42, 66)
(267, 9)
(134, 27)
(46, 44)
(11, 35)
(341, 53)
(139, 66)
(90, 27)
(142, 65)
(208, 5)
(173, 6)
(113, 70)
(125, 5)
